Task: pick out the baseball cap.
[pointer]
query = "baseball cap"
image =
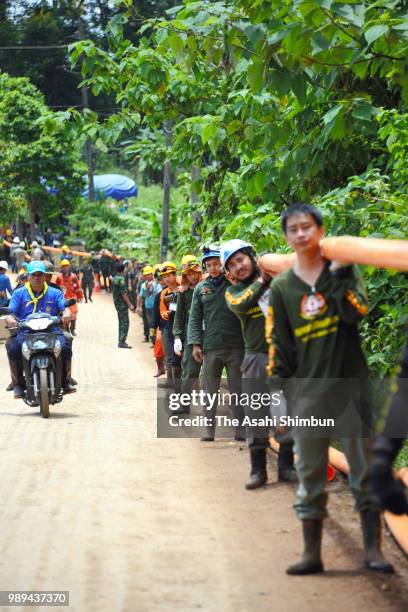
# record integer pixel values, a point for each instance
(36, 266)
(4, 265)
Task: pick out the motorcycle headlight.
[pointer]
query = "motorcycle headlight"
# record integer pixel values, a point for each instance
(39, 345)
(57, 348)
(25, 350)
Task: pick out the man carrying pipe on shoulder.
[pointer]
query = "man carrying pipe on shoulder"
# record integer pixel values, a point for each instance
(313, 316)
(243, 299)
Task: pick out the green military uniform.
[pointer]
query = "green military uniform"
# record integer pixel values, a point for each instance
(130, 277)
(118, 289)
(190, 367)
(314, 339)
(218, 331)
(243, 299)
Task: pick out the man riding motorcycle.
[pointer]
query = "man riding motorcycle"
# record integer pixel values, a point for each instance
(36, 296)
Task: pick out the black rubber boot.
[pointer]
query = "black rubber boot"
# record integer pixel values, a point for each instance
(169, 382)
(259, 476)
(208, 437)
(66, 385)
(72, 328)
(373, 557)
(286, 470)
(14, 372)
(311, 562)
(177, 379)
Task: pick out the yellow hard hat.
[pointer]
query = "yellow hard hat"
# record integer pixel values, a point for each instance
(65, 262)
(166, 267)
(156, 267)
(194, 264)
(147, 270)
(9, 232)
(65, 248)
(186, 259)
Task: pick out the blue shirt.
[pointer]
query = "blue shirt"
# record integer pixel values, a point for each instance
(5, 283)
(147, 294)
(53, 302)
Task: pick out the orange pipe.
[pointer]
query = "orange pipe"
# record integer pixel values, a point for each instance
(53, 250)
(338, 459)
(377, 252)
(381, 253)
(331, 472)
(275, 263)
(398, 525)
(403, 475)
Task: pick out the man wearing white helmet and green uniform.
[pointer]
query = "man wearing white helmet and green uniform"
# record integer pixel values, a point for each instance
(215, 335)
(244, 298)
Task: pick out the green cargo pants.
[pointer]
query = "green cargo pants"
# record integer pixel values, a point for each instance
(213, 365)
(191, 369)
(123, 317)
(311, 467)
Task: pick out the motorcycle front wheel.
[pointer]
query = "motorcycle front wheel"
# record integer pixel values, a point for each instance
(44, 397)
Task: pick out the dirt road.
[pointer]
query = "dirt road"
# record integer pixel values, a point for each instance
(93, 503)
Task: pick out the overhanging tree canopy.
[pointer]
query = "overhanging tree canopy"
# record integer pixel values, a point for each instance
(28, 153)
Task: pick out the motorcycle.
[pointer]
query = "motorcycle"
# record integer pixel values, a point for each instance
(41, 355)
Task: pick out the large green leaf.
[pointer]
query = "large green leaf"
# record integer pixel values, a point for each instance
(255, 73)
(375, 32)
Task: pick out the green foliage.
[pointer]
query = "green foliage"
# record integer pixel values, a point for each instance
(29, 153)
(276, 101)
(134, 233)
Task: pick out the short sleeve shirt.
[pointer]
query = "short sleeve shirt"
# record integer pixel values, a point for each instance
(52, 302)
(118, 288)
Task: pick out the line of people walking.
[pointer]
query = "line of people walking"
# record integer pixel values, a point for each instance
(224, 313)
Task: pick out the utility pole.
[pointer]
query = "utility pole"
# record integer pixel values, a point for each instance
(196, 216)
(164, 240)
(85, 104)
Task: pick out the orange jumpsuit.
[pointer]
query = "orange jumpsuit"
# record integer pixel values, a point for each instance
(71, 289)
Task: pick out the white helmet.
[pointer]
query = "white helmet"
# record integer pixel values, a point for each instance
(16, 239)
(227, 249)
(34, 243)
(4, 265)
(22, 244)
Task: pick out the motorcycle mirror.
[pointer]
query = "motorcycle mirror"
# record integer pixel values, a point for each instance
(5, 311)
(69, 302)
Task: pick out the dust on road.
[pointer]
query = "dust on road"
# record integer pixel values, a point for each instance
(93, 503)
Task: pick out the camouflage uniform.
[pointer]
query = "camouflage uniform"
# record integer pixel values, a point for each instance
(118, 288)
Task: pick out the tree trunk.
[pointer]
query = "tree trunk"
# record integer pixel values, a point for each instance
(85, 104)
(168, 128)
(195, 216)
(195, 175)
(32, 210)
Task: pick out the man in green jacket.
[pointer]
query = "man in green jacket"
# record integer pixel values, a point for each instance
(216, 337)
(314, 311)
(246, 298)
(122, 304)
(191, 276)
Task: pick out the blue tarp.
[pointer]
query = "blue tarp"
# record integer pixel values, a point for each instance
(114, 186)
